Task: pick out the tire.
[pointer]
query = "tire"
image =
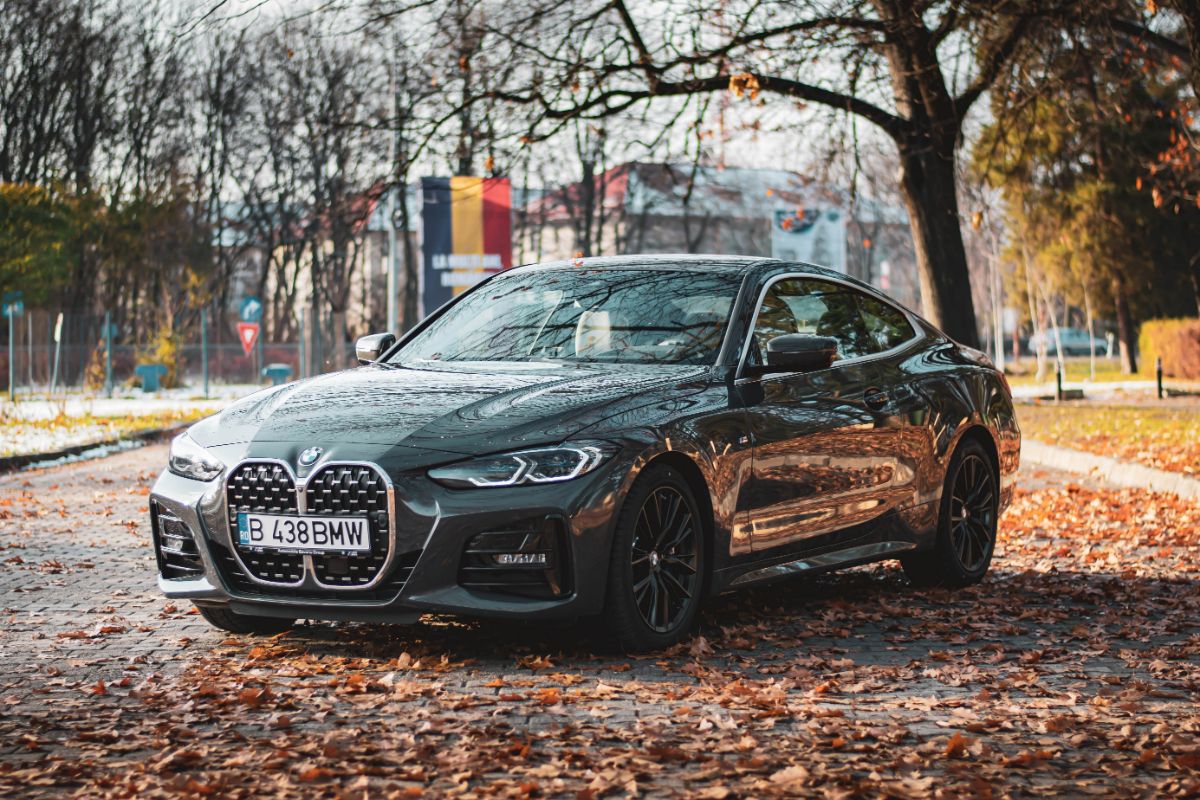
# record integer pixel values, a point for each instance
(227, 620)
(966, 532)
(657, 569)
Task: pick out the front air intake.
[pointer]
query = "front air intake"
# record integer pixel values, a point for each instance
(174, 545)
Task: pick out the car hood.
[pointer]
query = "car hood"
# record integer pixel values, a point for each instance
(459, 408)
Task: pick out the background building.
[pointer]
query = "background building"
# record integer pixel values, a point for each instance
(670, 208)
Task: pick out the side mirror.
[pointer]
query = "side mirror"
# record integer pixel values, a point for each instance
(370, 348)
(800, 352)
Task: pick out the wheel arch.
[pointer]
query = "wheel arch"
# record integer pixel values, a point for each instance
(976, 432)
(694, 477)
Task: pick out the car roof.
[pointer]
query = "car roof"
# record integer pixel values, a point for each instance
(689, 261)
(735, 265)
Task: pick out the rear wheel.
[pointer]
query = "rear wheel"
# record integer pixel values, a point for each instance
(656, 572)
(967, 522)
(227, 620)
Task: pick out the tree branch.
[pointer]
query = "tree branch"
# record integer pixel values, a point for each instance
(639, 44)
(1164, 43)
(993, 63)
(612, 100)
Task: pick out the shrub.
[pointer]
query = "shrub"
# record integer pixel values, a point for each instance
(164, 349)
(93, 376)
(1176, 341)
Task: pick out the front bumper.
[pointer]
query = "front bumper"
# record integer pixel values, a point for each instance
(434, 528)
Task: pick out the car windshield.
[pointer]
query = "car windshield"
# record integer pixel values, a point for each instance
(625, 315)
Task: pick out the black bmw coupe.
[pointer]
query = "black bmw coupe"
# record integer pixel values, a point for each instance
(609, 438)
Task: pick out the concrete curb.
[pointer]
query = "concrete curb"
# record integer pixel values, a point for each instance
(1115, 471)
(16, 463)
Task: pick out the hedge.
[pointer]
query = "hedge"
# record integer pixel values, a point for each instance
(1176, 341)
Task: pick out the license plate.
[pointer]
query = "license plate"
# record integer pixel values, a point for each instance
(303, 534)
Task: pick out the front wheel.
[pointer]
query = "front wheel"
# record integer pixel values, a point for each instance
(657, 568)
(227, 620)
(967, 523)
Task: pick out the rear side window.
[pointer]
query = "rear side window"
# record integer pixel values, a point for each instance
(886, 325)
(860, 324)
(803, 305)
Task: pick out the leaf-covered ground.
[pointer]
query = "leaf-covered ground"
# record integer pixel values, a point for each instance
(1073, 670)
(1164, 436)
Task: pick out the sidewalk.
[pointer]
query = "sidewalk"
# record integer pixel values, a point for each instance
(1115, 471)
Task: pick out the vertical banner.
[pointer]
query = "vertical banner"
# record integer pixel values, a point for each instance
(467, 234)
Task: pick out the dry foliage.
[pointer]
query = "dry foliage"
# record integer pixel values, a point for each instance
(1164, 437)
(1073, 670)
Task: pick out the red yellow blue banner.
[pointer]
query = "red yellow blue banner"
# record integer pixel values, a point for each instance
(467, 234)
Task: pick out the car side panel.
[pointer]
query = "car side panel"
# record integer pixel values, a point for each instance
(821, 462)
(963, 394)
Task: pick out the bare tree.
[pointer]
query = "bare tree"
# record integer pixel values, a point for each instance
(914, 69)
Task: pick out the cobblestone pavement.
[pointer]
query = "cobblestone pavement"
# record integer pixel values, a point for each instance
(1073, 669)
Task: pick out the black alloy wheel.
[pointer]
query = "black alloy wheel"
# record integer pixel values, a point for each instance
(967, 523)
(664, 559)
(973, 512)
(657, 569)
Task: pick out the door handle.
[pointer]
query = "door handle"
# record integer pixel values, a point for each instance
(875, 398)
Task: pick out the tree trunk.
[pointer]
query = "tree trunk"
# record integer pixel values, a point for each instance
(1125, 331)
(412, 280)
(583, 239)
(1091, 329)
(931, 198)
(1196, 281)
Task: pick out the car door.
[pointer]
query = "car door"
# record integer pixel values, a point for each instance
(904, 425)
(818, 464)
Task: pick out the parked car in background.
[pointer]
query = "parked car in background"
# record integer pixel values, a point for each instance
(615, 438)
(1075, 342)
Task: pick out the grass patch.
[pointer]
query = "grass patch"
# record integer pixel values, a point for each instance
(1077, 371)
(1166, 437)
(33, 436)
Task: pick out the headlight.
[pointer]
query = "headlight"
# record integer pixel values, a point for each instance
(545, 465)
(192, 461)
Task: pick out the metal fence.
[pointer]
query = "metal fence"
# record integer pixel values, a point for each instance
(80, 358)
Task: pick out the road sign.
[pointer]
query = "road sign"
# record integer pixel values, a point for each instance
(251, 309)
(248, 334)
(13, 303)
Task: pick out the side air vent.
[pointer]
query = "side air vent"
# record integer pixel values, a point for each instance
(528, 558)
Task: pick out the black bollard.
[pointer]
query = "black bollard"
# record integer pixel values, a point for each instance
(1158, 376)
(1058, 393)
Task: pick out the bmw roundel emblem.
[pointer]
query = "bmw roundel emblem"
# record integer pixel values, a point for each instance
(310, 456)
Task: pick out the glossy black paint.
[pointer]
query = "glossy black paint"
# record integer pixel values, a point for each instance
(793, 471)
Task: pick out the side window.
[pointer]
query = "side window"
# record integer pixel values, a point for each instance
(803, 305)
(886, 324)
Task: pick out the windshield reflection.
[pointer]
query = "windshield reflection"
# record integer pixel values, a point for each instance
(655, 316)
